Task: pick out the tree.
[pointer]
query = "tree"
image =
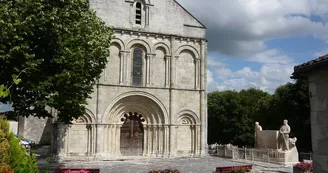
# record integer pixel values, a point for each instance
(65, 47)
(291, 102)
(230, 116)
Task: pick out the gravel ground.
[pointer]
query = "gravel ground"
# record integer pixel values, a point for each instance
(185, 165)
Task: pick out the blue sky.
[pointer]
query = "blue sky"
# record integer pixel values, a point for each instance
(256, 43)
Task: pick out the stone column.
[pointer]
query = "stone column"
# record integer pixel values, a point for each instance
(192, 140)
(197, 77)
(167, 71)
(198, 149)
(144, 149)
(118, 140)
(203, 104)
(172, 65)
(155, 140)
(148, 59)
(112, 138)
(166, 140)
(89, 138)
(160, 141)
(126, 68)
(149, 140)
(122, 54)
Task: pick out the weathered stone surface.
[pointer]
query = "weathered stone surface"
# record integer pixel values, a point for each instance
(319, 121)
(166, 54)
(185, 165)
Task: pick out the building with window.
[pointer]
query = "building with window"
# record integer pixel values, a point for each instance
(151, 98)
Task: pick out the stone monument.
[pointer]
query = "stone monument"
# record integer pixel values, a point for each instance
(283, 148)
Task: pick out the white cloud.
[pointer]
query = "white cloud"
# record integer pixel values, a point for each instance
(274, 71)
(271, 57)
(241, 27)
(211, 84)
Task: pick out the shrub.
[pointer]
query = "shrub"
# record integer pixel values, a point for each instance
(165, 171)
(304, 166)
(15, 155)
(6, 169)
(4, 147)
(240, 170)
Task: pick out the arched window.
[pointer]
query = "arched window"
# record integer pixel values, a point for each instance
(137, 67)
(138, 13)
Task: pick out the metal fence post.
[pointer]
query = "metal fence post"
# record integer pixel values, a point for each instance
(225, 151)
(252, 154)
(268, 156)
(245, 155)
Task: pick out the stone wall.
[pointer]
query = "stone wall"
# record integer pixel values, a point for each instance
(172, 95)
(165, 17)
(267, 139)
(318, 84)
(38, 130)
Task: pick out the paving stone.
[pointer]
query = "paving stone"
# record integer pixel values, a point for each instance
(185, 165)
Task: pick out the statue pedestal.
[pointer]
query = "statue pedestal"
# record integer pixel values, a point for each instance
(268, 140)
(290, 156)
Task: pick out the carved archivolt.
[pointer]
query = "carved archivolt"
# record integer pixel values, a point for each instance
(187, 117)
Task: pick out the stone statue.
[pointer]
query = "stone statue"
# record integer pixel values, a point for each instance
(257, 128)
(292, 142)
(284, 141)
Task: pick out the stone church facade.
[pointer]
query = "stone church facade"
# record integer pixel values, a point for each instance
(151, 98)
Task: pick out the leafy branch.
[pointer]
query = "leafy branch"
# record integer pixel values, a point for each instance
(4, 90)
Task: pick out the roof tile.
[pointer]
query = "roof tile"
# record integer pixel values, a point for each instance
(312, 62)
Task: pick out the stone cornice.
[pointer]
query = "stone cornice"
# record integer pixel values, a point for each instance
(149, 87)
(158, 35)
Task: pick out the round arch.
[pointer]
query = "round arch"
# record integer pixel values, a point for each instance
(119, 42)
(87, 118)
(162, 45)
(188, 115)
(135, 42)
(142, 102)
(190, 48)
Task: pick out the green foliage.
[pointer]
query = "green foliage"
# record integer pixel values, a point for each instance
(291, 102)
(12, 155)
(231, 114)
(65, 47)
(19, 160)
(4, 147)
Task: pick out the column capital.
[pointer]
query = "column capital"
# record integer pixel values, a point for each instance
(125, 51)
(150, 54)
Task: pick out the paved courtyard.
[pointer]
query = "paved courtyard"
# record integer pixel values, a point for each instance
(185, 165)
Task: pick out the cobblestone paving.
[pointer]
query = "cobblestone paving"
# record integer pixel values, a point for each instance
(185, 165)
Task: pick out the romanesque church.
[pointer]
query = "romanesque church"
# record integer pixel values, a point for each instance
(151, 98)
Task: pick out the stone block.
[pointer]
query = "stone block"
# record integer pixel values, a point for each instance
(267, 139)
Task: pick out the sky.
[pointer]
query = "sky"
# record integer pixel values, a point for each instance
(257, 43)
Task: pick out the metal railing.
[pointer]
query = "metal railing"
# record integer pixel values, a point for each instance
(269, 155)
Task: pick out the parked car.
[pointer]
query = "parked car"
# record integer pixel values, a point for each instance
(27, 144)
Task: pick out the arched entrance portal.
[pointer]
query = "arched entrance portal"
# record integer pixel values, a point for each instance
(135, 124)
(132, 135)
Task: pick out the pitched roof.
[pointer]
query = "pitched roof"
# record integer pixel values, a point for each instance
(305, 68)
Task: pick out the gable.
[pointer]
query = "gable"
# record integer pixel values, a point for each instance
(158, 16)
(193, 21)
